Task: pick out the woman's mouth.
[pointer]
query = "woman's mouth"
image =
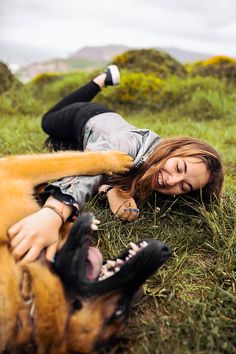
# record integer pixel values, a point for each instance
(159, 181)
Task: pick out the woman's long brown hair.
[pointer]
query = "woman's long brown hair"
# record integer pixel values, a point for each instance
(139, 182)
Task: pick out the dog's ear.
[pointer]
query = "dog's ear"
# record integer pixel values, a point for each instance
(26, 285)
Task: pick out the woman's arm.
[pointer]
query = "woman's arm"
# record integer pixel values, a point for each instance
(39, 231)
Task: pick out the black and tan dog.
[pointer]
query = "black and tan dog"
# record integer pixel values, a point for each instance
(64, 310)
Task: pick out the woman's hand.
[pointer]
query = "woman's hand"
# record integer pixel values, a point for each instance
(29, 236)
(124, 208)
(35, 232)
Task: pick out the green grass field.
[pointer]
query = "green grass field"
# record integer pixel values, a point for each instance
(190, 304)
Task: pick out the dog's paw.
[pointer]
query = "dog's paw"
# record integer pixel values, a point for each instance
(117, 162)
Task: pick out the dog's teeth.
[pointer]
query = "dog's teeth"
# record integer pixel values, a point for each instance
(134, 246)
(96, 221)
(132, 252)
(119, 261)
(103, 271)
(32, 310)
(143, 244)
(126, 258)
(94, 227)
(111, 264)
(117, 269)
(109, 274)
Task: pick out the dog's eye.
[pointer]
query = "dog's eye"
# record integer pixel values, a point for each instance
(76, 305)
(118, 313)
(120, 310)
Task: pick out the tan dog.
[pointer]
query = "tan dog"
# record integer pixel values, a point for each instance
(18, 176)
(63, 309)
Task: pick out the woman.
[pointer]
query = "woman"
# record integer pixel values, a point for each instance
(174, 166)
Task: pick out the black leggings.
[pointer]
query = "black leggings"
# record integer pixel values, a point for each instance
(65, 122)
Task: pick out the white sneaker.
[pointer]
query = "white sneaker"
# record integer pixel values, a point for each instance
(113, 75)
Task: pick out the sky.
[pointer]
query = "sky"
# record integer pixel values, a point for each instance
(61, 27)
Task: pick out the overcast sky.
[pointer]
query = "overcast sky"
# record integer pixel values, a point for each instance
(63, 26)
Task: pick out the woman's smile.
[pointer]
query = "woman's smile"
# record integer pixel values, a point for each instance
(160, 179)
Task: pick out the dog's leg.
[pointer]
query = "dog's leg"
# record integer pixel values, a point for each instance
(45, 167)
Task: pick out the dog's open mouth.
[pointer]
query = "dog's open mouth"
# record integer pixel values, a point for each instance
(89, 275)
(97, 270)
(110, 267)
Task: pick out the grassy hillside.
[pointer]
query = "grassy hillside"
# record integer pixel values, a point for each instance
(190, 305)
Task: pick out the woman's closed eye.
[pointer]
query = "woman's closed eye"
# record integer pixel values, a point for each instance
(180, 168)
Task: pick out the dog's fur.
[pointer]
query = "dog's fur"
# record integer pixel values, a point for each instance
(59, 310)
(18, 176)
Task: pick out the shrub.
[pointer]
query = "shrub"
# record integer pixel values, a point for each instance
(178, 91)
(136, 90)
(20, 101)
(198, 98)
(219, 66)
(7, 79)
(150, 61)
(206, 106)
(50, 88)
(45, 78)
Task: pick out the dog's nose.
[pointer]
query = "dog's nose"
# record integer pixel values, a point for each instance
(166, 251)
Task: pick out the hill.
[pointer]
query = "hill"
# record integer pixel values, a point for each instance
(104, 53)
(92, 57)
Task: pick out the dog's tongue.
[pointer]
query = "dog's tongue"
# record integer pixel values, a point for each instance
(94, 263)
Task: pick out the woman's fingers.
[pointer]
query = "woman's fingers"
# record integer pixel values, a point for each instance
(129, 214)
(132, 210)
(132, 217)
(30, 236)
(51, 251)
(17, 239)
(21, 248)
(32, 254)
(14, 230)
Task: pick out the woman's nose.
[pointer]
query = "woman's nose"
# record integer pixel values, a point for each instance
(174, 179)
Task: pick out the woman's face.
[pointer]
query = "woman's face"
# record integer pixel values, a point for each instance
(180, 175)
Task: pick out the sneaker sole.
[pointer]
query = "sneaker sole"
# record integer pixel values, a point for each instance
(115, 74)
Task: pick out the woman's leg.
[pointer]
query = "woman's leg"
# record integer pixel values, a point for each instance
(84, 94)
(87, 92)
(65, 121)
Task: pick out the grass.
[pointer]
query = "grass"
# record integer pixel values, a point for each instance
(190, 305)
